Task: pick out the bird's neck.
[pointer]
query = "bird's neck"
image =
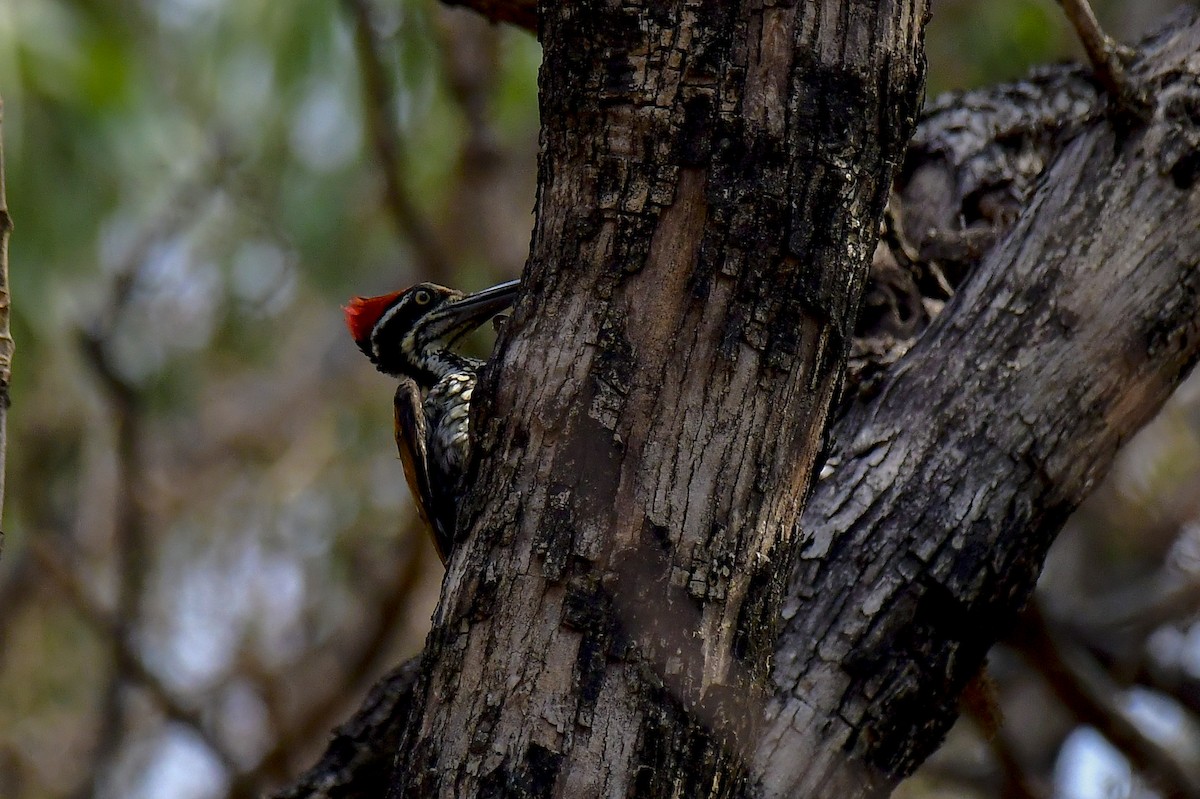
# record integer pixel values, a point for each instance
(435, 365)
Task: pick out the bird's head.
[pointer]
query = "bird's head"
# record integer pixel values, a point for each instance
(409, 333)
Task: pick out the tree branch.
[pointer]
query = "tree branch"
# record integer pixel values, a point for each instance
(6, 341)
(521, 13)
(131, 544)
(130, 529)
(1083, 687)
(951, 485)
(1108, 58)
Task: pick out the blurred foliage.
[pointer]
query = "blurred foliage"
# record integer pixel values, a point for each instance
(972, 44)
(195, 188)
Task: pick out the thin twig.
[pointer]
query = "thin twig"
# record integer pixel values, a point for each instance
(1107, 56)
(379, 107)
(6, 341)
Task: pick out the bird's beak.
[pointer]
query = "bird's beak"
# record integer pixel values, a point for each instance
(462, 316)
(489, 302)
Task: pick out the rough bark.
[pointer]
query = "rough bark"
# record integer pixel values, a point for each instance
(711, 180)
(951, 483)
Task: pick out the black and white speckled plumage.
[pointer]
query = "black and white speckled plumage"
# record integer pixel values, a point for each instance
(447, 408)
(411, 335)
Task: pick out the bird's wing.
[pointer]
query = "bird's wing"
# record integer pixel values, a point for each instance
(410, 441)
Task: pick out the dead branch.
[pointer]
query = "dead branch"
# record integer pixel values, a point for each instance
(1108, 58)
(951, 480)
(7, 346)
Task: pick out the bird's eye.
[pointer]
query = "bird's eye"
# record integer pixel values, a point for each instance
(422, 297)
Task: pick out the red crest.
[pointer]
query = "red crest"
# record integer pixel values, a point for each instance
(363, 312)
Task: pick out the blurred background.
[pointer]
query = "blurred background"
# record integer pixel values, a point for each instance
(210, 549)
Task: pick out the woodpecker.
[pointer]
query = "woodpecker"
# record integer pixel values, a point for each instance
(410, 335)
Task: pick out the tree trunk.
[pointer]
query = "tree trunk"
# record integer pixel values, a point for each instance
(711, 181)
(950, 474)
